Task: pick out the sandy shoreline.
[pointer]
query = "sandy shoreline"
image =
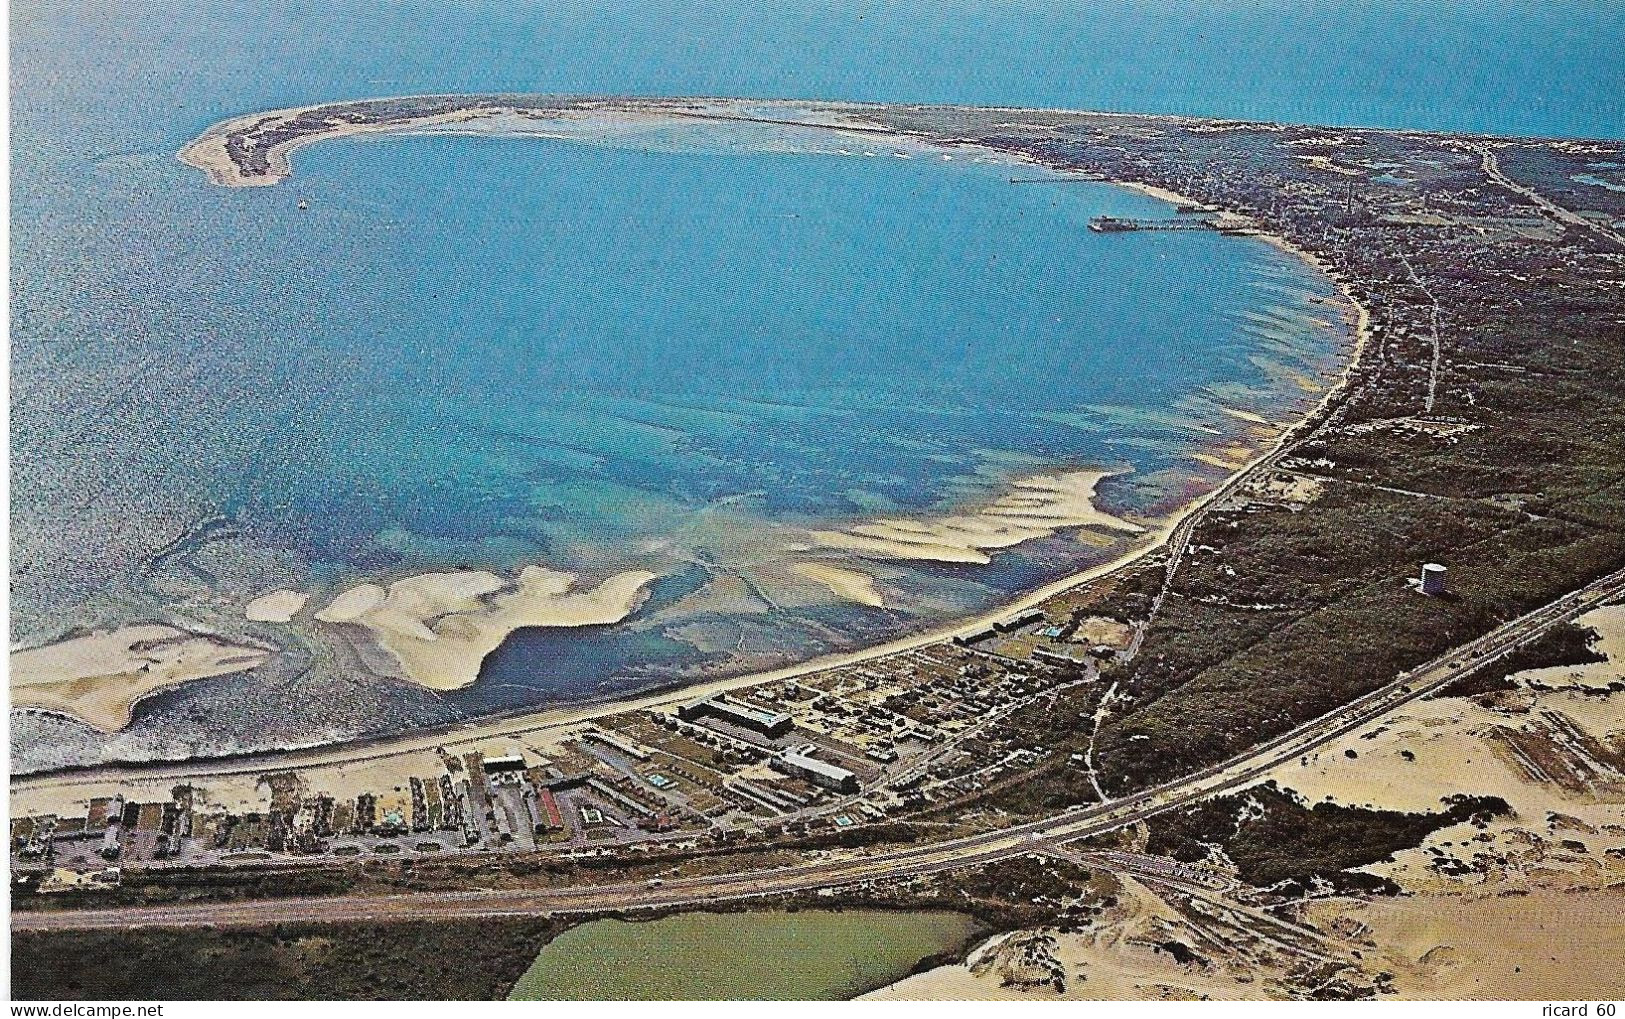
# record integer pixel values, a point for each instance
(438, 627)
(553, 720)
(564, 717)
(556, 719)
(439, 659)
(208, 152)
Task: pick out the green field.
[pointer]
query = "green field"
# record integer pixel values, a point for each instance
(820, 955)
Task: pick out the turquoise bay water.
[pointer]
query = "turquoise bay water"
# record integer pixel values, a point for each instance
(660, 351)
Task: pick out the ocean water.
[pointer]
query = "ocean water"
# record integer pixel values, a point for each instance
(667, 350)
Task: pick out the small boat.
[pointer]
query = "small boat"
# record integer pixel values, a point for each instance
(303, 205)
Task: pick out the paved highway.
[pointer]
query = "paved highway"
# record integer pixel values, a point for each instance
(938, 856)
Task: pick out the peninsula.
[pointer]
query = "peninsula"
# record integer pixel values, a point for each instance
(1214, 748)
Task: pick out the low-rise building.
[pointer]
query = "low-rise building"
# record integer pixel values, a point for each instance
(801, 764)
(769, 723)
(507, 764)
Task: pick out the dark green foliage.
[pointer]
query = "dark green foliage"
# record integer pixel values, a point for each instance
(446, 959)
(1273, 837)
(1050, 788)
(1514, 477)
(1204, 692)
(1569, 644)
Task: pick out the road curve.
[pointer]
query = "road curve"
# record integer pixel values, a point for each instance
(938, 856)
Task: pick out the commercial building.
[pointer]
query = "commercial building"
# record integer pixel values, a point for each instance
(614, 743)
(505, 764)
(768, 723)
(800, 764)
(1016, 622)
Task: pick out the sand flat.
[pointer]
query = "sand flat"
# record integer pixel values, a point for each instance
(99, 678)
(1035, 507)
(847, 584)
(1545, 945)
(1532, 908)
(1548, 880)
(1609, 623)
(440, 626)
(1453, 749)
(1113, 961)
(884, 548)
(275, 607)
(352, 604)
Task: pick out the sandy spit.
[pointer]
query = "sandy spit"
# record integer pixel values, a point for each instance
(208, 151)
(99, 678)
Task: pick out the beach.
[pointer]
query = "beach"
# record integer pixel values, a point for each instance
(335, 761)
(208, 152)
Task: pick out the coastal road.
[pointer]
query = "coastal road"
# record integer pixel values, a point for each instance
(987, 847)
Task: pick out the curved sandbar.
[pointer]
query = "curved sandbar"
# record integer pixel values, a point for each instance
(1035, 508)
(440, 626)
(253, 150)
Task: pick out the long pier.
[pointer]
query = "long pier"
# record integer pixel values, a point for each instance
(1092, 178)
(1115, 225)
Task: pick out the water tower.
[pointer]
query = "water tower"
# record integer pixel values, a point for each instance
(1433, 579)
